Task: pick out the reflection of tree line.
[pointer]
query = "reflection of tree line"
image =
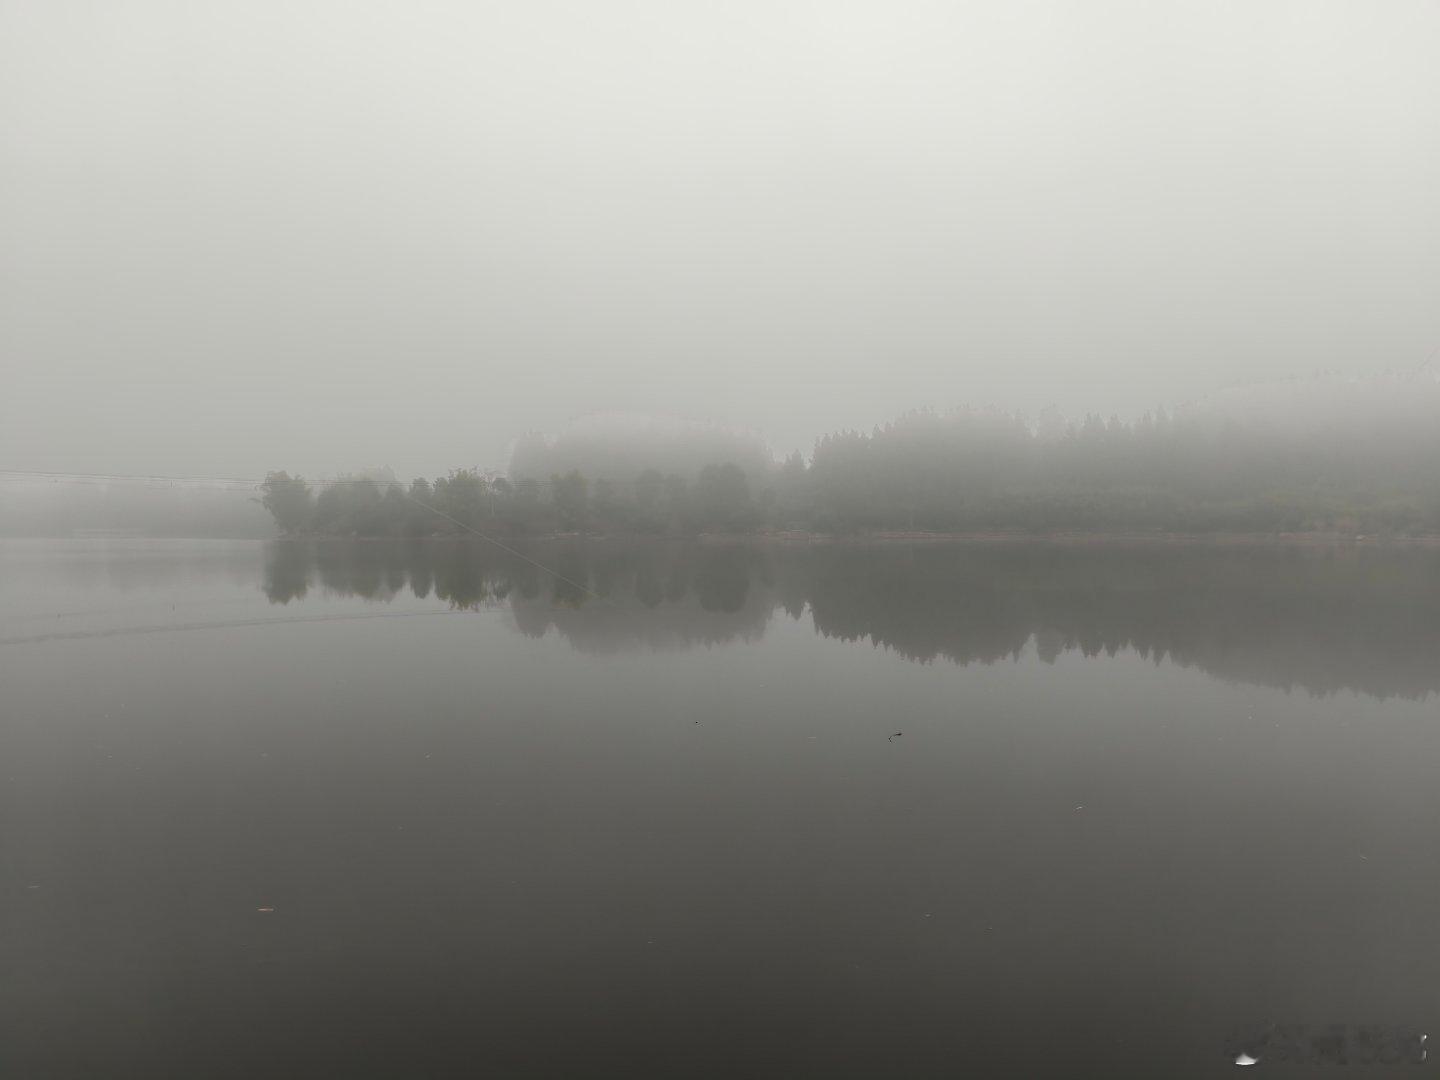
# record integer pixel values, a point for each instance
(601, 598)
(1320, 619)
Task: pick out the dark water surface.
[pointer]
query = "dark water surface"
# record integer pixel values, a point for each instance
(1148, 803)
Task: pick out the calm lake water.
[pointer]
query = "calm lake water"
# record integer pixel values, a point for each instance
(429, 810)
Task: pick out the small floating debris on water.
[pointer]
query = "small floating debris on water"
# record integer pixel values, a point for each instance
(892, 738)
(1246, 1059)
(1079, 808)
(265, 910)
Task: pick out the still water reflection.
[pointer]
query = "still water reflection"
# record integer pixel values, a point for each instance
(430, 809)
(1323, 619)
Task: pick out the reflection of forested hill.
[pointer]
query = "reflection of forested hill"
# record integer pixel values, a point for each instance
(601, 598)
(1365, 619)
(1324, 620)
(656, 597)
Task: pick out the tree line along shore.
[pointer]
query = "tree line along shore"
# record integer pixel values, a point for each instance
(1364, 461)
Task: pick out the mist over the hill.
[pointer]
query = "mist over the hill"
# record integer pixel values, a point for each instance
(1328, 454)
(238, 237)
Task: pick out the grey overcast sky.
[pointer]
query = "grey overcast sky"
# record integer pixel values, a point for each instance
(324, 234)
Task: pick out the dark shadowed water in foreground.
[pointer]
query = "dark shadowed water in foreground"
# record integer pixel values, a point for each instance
(427, 810)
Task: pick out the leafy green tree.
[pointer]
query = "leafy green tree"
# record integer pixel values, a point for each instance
(289, 501)
(722, 497)
(571, 495)
(649, 513)
(671, 512)
(527, 511)
(464, 496)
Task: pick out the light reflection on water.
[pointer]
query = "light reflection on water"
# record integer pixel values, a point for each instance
(522, 829)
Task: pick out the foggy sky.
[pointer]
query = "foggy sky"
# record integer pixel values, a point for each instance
(323, 235)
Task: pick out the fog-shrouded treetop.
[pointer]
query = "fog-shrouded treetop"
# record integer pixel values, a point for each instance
(241, 236)
(620, 447)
